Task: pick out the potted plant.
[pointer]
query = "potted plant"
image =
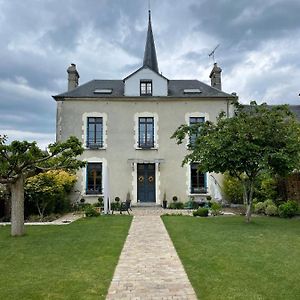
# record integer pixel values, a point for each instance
(165, 202)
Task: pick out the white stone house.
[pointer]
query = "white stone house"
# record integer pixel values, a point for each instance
(125, 126)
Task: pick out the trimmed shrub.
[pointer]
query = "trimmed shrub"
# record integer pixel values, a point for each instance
(259, 208)
(201, 212)
(288, 209)
(216, 209)
(176, 205)
(90, 211)
(115, 206)
(271, 210)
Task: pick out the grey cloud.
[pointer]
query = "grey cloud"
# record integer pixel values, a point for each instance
(40, 38)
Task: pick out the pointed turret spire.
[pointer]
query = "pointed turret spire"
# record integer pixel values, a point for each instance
(150, 59)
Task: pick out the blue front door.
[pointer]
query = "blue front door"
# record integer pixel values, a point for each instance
(146, 182)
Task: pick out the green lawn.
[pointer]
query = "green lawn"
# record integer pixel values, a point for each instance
(225, 258)
(73, 261)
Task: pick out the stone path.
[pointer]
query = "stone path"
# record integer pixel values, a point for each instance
(149, 267)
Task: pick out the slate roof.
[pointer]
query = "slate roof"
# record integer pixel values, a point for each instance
(176, 89)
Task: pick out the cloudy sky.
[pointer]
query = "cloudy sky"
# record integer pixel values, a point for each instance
(259, 50)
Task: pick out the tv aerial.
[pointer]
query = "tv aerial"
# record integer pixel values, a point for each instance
(212, 53)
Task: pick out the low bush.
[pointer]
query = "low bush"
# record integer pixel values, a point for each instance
(268, 202)
(201, 212)
(90, 211)
(176, 205)
(271, 210)
(216, 208)
(259, 208)
(288, 209)
(115, 206)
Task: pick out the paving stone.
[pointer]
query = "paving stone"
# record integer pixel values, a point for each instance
(149, 267)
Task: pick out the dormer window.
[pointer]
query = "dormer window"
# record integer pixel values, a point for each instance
(146, 87)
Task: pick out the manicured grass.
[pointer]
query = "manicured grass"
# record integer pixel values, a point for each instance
(225, 258)
(73, 261)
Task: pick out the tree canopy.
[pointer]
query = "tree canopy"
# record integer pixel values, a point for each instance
(21, 159)
(256, 139)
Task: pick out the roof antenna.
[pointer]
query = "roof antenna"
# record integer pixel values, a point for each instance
(212, 53)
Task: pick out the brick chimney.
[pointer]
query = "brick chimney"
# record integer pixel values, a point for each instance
(73, 77)
(215, 77)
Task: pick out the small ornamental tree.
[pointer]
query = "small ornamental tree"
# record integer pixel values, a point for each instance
(258, 138)
(21, 160)
(48, 191)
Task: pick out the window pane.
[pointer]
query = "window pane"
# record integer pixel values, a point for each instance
(95, 132)
(94, 178)
(193, 121)
(146, 87)
(198, 184)
(146, 132)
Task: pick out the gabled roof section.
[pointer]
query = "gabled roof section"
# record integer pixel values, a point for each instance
(150, 59)
(176, 90)
(141, 68)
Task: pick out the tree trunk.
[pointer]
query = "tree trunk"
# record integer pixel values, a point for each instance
(17, 207)
(248, 195)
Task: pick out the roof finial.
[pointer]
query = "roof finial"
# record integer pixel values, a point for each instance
(149, 10)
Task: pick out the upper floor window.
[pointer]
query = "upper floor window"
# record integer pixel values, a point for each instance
(146, 132)
(194, 121)
(198, 180)
(94, 132)
(94, 178)
(146, 87)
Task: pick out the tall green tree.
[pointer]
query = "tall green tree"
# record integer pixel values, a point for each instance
(21, 160)
(258, 138)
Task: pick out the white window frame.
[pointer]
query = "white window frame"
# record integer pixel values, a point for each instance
(85, 117)
(136, 129)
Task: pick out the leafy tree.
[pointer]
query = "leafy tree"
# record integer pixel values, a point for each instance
(21, 160)
(48, 191)
(257, 139)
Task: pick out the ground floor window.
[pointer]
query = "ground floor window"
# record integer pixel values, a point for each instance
(94, 178)
(198, 180)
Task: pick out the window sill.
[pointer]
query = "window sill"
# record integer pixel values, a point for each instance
(199, 194)
(146, 148)
(94, 148)
(93, 195)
